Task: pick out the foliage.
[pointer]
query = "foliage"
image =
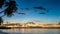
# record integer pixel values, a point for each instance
(11, 8)
(2, 3)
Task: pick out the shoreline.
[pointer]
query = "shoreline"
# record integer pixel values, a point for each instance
(29, 27)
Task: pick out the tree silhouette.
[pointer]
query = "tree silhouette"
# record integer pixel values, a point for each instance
(11, 8)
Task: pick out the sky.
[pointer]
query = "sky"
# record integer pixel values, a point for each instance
(52, 17)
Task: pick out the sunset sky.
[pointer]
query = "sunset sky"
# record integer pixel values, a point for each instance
(53, 16)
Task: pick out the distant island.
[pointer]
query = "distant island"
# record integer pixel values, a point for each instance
(29, 25)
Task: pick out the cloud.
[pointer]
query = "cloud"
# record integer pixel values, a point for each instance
(40, 8)
(22, 13)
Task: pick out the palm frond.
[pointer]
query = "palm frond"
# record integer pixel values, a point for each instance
(2, 3)
(11, 8)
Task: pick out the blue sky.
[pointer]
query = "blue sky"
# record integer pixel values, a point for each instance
(53, 16)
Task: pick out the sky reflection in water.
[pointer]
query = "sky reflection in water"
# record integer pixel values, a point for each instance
(30, 31)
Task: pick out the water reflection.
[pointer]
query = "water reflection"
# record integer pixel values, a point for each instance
(31, 31)
(1, 32)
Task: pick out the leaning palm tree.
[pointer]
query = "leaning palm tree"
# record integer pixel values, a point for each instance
(10, 8)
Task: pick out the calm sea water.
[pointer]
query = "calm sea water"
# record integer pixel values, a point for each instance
(30, 31)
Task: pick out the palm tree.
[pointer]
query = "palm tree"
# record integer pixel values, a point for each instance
(10, 8)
